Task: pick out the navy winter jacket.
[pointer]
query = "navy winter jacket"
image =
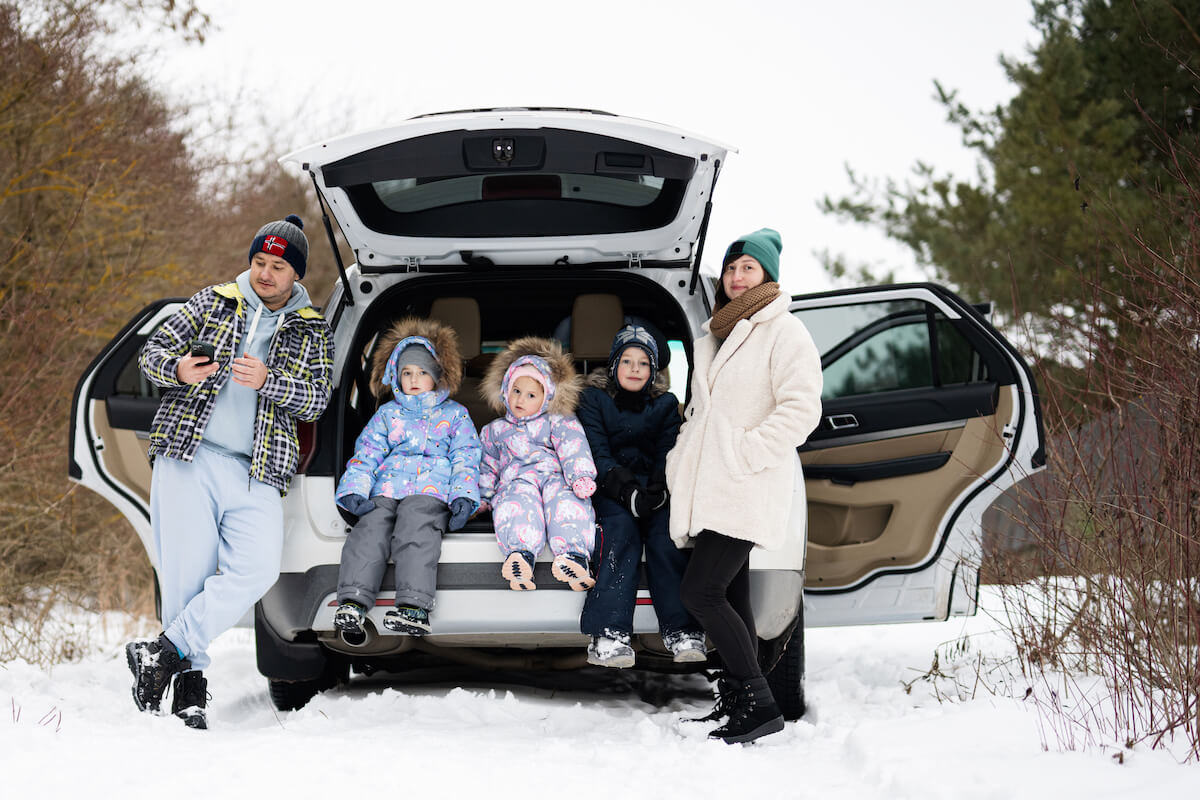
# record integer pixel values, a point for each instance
(636, 440)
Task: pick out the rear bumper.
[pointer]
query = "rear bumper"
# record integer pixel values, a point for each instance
(474, 602)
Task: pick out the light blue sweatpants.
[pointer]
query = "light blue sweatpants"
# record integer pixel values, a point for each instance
(219, 536)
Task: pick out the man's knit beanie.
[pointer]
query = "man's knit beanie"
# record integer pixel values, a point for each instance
(764, 245)
(633, 336)
(284, 238)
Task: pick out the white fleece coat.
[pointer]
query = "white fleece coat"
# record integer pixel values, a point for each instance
(755, 399)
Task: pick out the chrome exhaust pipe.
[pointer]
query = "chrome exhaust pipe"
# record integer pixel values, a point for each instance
(357, 639)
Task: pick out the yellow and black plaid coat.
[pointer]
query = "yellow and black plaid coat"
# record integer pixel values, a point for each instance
(299, 365)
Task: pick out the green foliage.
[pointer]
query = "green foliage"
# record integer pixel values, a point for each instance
(1077, 161)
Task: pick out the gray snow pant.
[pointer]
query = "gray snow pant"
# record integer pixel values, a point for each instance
(409, 532)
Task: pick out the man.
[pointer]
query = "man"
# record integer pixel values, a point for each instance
(224, 447)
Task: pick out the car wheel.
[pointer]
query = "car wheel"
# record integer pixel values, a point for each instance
(294, 695)
(786, 678)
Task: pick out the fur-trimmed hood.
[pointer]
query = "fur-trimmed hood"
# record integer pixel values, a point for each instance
(599, 379)
(563, 383)
(440, 337)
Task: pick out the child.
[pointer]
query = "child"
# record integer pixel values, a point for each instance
(414, 475)
(537, 470)
(631, 421)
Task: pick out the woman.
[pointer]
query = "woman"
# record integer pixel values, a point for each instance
(756, 395)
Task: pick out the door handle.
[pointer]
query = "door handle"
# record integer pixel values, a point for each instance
(839, 422)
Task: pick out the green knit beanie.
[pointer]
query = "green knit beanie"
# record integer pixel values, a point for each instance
(764, 245)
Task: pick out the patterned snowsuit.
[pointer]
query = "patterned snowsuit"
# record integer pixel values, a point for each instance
(529, 465)
(418, 454)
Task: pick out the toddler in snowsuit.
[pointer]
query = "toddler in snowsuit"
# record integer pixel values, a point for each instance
(414, 475)
(631, 422)
(537, 471)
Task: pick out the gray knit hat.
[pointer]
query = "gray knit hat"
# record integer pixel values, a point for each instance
(419, 356)
(284, 238)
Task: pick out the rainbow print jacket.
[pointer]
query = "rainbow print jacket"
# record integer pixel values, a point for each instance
(415, 444)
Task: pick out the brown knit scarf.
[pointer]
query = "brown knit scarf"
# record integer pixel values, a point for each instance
(744, 306)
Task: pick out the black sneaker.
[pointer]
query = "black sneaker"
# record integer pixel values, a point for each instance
(349, 617)
(152, 662)
(407, 619)
(189, 699)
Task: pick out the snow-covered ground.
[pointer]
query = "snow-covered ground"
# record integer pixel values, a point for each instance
(72, 731)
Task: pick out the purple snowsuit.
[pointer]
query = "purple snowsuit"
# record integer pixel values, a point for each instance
(528, 467)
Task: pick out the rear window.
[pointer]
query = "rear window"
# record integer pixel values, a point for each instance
(488, 184)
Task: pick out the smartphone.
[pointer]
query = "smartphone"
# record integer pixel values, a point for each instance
(204, 349)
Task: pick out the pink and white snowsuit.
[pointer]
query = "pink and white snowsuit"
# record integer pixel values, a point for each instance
(529, 467)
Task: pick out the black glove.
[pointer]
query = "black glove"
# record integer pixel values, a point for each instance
(615, 481)
(657, 494)
(635, 498)
(356, 504)
(460, 512)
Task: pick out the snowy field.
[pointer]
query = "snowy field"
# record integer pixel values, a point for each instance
(73, 732)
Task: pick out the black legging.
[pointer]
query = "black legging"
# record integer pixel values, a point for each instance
(716, 589)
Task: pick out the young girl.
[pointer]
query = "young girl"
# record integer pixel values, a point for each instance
(631, 421)
(756, 396)
(537, 470)
(414, 475)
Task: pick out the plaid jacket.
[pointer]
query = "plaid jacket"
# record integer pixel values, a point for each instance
(297, 387)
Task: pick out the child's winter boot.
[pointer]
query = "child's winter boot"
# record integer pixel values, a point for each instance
(572, 569)
(407, 619)
(518, 571)
(349, 618)
(686, 646)
(613, 649)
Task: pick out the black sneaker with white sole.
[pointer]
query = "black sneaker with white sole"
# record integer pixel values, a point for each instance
(153, 663)
(407, 619)
(189, 699)
(349, 618)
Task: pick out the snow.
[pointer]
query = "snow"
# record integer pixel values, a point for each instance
(597, 733)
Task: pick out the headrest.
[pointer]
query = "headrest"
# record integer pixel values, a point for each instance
(461, 314)
(595, 319)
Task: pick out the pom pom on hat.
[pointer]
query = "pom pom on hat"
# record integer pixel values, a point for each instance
(764, 245)
(284, 238)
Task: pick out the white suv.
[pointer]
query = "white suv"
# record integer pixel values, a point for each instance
(568, 223)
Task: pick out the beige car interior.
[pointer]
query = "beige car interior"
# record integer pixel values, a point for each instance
(892, 522)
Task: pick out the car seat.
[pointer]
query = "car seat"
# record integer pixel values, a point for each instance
(462, 314)
(595, 320)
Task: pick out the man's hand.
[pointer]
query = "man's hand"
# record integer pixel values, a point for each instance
(188, 372)
(249, 371)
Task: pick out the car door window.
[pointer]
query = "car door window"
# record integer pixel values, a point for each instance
(869, 348)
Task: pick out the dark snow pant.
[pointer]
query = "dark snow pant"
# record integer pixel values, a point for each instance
(716, 589)
(409, 531)
(610, 603)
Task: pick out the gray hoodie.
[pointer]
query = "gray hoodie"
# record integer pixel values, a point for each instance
(230, 429)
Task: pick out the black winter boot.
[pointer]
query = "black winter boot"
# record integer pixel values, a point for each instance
(189, 699)
(726, 688)
(153, 662)
(754, 714)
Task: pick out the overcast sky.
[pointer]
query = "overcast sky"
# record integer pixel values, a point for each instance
(800, 88)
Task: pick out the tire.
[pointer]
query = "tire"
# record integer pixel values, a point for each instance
(294, 695)
(786, 678)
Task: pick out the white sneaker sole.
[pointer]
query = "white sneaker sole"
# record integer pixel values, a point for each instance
(616, 662)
